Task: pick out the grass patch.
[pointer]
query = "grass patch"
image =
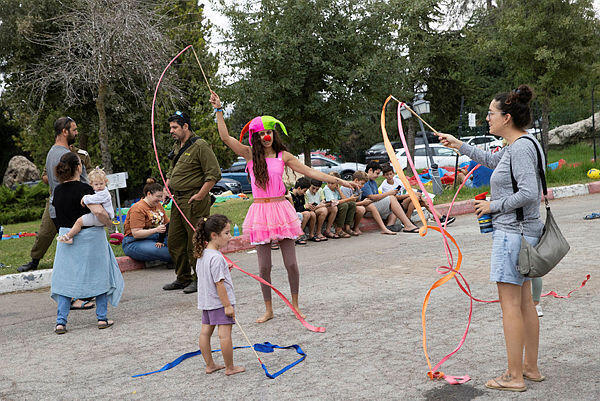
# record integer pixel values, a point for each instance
(15, 252)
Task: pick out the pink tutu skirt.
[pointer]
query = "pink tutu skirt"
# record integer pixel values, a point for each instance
(271, 221)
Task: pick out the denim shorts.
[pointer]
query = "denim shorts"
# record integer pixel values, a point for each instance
(505, 256)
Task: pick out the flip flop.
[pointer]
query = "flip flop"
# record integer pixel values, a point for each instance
(105, 324)
(84, 305)
(592, 216)
(343, 234)
(60, 331)
(414, 230)
(497, 386)
(534, 379)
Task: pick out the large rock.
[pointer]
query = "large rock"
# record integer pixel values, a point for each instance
(20, 170)
(573, 133)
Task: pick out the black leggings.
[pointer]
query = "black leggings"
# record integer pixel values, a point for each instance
(288, 252)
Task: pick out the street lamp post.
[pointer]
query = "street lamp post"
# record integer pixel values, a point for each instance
(421, 106)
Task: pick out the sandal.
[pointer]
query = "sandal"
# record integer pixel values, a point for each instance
(84, 305)
(592, 216)
(494, 385)
(343, 234)
(104, 324)
(60, 331)
(331, 235)
(274, 246)
(314, 239)
(414, 230)
(301, 240)
(321, 238)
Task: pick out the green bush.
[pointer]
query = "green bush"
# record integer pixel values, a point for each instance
(22, 204)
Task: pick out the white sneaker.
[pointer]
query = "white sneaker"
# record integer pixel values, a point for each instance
(538, 308)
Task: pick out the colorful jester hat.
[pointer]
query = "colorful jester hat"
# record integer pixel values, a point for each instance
(261, 123)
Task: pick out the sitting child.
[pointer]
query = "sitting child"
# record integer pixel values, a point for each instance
(385, 205)
(359, 177)
(296, 196)
(315, 201)
(346, 208)
(392, 182)
(98, 181)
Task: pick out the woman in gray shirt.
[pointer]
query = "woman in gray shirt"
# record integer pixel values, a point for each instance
(508, 116)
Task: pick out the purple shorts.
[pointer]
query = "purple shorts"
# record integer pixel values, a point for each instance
(215, 317)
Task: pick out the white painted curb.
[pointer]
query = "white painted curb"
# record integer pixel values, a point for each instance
(25, 281)
(570, 190)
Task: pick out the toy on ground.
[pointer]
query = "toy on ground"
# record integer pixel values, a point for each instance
(265, 347)
(116, 238)
(593, 173)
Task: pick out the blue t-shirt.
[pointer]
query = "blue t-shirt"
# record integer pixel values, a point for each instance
(481, 176)
(370, 188)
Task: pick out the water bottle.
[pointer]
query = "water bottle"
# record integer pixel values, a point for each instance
(485, 221)
(1, 232)
(236, 231)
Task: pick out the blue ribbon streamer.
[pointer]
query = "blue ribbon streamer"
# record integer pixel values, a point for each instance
(265, 347)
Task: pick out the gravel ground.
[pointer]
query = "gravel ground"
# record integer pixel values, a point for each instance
(367, 291)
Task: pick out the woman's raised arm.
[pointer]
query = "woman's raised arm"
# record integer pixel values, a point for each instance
(239, 149)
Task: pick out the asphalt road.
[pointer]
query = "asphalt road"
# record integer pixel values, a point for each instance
(368, 293)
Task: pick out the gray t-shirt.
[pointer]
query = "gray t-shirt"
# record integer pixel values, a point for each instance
(348, 192)
(504, 201)
(52, 159)
(212, 268)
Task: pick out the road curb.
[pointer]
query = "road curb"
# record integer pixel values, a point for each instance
(42, 278)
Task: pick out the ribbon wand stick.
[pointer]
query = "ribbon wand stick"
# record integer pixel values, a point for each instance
(201, 69)
(415, 114)
(248, 340)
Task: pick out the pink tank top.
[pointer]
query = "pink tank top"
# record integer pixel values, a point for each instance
(275, 186)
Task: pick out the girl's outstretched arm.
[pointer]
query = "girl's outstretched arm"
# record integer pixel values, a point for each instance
(239, 149)
(291, 161)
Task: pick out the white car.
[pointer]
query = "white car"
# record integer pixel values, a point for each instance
(327, 165)
(483, 142)
(442, 156)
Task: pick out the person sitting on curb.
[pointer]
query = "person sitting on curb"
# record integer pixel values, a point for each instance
(346, 208)
(296, 196)
(392, 182)
(360, 178)
(315, 202)
(146, 227)
(384, 206)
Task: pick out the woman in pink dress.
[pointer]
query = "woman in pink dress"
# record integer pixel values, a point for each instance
(271, 217)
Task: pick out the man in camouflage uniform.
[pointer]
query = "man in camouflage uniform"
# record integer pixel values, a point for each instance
(194, 171)
(47, 230)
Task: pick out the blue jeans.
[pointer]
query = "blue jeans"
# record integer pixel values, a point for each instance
(64, 307)
(145, 249)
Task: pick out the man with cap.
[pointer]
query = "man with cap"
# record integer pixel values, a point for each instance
(194, 171)
(47, 230)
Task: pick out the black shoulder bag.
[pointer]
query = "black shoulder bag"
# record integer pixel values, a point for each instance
(537, 261)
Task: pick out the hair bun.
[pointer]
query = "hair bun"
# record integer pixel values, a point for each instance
(524, 94)
(150, 180)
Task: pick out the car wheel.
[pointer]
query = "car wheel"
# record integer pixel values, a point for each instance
(347, 175)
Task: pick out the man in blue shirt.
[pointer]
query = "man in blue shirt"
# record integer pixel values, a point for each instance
(385, 205)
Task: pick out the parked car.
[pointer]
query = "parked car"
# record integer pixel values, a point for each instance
(442, 156)
(237, 172)
(326, 165)
(226, 184)
(378, 153)
(484, 142)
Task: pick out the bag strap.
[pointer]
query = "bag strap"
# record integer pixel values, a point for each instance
(519, 211)
(185, 147)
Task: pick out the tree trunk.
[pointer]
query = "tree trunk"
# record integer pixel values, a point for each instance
(307, 160)
(103, 129)
(489, 4)
(545, 124)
